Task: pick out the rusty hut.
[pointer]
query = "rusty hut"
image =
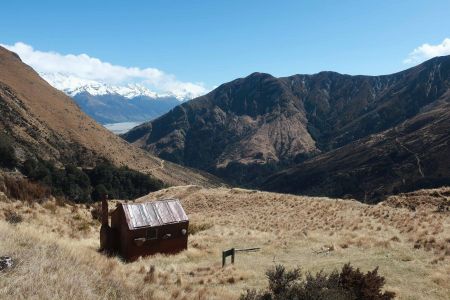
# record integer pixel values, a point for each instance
(140, 229)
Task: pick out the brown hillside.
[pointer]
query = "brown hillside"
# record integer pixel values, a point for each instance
(45, 122)
(412, 155)
(259, 125)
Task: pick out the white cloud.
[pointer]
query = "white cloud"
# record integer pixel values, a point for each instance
(91, 68)
(427, 51)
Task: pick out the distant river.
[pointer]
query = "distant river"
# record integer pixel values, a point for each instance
(119, 128)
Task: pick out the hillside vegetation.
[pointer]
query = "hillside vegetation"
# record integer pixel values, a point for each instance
(408, 157)
(407, 237)
(72, 182)
(85, 185)
(43, 123)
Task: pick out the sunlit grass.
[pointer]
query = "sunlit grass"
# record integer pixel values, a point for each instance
(56, 246)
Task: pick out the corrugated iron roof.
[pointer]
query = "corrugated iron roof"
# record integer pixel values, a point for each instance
(151, 214)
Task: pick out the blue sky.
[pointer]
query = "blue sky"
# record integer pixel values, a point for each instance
(212, 42)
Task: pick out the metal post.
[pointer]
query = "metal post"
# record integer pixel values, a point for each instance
(223, 258)
(227, 253)
(232, 256)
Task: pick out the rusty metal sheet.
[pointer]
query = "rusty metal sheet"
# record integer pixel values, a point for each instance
(177, 211)
(152, 214)
(164, 212)
(127, 215)
(152, 218)
(136, 216)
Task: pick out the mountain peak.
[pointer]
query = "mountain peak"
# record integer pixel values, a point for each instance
(259, 75)
(72, 86)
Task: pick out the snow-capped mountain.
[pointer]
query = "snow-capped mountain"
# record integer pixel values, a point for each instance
(110, 104)
(72, 86)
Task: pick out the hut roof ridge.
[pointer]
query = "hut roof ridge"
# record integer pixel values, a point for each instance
(154, 213)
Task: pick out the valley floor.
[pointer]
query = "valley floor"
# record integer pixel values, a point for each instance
(55, 246)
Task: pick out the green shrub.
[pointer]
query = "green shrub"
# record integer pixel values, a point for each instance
(8, 157)
(75, 184)
(121, 183)
(99, 192)
(364, 286)
(346, 284)
(70, 182)
(83, 186)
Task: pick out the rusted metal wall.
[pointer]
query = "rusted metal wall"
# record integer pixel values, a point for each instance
(130, 250)
(176, 243)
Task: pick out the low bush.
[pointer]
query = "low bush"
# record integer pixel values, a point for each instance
(13, 217)
(349, 283)
(51, 206)
(96, 212)
(23, 189)
(8, 157)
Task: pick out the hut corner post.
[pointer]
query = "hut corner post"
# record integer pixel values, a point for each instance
(105, 218)
(105, 231)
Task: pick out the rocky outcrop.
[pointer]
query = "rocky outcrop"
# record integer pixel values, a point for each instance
(410, 156)
(6, 263)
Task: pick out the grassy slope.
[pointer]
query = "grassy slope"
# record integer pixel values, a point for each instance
(56, 246)
(48, 112)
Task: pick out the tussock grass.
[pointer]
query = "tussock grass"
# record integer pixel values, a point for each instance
(198, 227)
(56, 246)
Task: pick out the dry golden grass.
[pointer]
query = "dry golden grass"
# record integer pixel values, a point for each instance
(56, 246)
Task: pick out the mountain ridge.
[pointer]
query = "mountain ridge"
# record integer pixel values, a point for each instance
(109, 104)
(115, 108)
(252, 127)
(407, 157)
(72, 85)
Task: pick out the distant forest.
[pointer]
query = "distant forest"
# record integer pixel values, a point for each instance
(81, 185)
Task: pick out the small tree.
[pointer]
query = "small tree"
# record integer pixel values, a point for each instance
(364, 286)
(99, 191)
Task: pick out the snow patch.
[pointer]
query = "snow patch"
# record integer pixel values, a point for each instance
(72, 85)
